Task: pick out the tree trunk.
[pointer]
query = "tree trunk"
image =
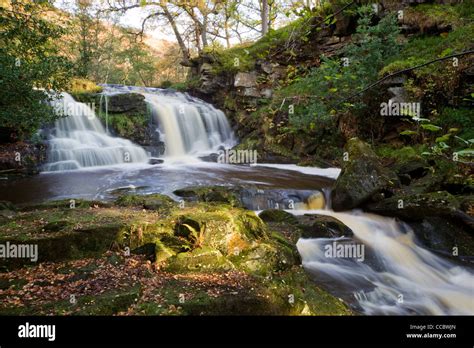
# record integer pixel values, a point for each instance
(204, 32)
(265, 15)
(182, 45)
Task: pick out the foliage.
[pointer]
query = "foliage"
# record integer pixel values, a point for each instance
(30, 65)
(457, 118)
(426, 48)
(81, 85)
(318, 95)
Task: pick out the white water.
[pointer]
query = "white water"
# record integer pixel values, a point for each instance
(190, 126)
(397, 276)
(80, 141)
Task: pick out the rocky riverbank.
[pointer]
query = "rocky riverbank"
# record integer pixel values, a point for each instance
(151, 255)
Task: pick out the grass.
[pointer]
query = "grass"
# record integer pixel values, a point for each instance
(422, 49)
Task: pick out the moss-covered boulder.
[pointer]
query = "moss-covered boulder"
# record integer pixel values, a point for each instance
(417, 206)
(215, 194)
(362, 176)
(321, 226)
(277, 215)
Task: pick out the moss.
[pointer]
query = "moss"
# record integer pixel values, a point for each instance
(214, 194)
(127, 125)
(150, 202)
(276, 215)
(201, 259)
(422, 49)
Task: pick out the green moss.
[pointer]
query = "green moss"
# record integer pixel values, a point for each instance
(151, 202)
(400, 154)
(422, 49)
(211, 194)
(127, 125)
(243, 57)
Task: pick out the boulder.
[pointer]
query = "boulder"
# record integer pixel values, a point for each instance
(245, 79)
(416, 206)
(212, 194)
(322, 226)
(276, 215)
(444, 236)
(362, 176)
(154, 161)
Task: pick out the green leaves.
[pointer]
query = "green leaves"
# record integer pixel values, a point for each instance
(408, 132)
(431, 127)
(29, 63)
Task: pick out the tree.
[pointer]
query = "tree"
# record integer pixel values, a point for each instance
(265, 15)
(30, 65)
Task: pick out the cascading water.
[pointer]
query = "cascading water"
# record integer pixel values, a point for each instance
(397, 276)
(80, 141)
(189, 125)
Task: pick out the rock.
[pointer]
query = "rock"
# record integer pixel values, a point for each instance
(276, 215)
(249, 92)
(150, 202)
(266, 66)
(416, 206)
(202, 259)
(266, 93)
(126, 102)
(213, 194)
(322, 226)
(213, 157)
(442, 235)
(362, 176)
(244, 79)
(415, 168)
(154, 161)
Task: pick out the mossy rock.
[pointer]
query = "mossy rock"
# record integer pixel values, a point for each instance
(64, 245)
(277, 215)
(321, 226)
(150, 202)
(201, 259)
(362, 177)
(416, 206)
(211, 194)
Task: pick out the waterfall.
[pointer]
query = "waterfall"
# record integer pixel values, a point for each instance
(397, 276)
(188, 125)
(80, 141)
